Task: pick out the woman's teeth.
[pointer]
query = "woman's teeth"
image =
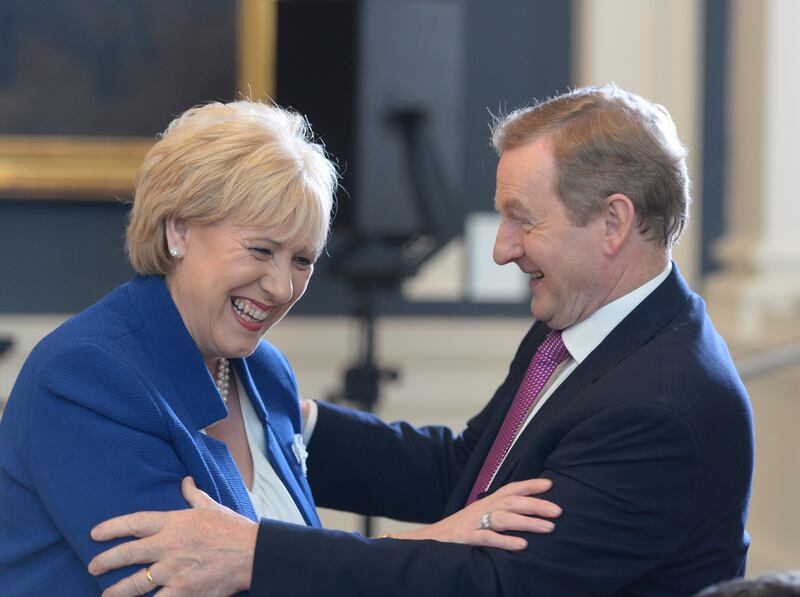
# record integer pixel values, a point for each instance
(537, 276)
(248, 311)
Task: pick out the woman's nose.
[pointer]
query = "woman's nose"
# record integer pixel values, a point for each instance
(277, 283)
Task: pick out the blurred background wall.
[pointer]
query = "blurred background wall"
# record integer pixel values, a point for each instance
(402, 91)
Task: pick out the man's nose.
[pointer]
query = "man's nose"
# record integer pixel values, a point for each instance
(507, 245)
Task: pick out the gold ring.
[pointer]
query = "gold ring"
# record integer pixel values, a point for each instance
(149, 577)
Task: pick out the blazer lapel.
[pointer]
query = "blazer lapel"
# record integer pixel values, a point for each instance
(279, 456)
(185, 383)
(176, 354)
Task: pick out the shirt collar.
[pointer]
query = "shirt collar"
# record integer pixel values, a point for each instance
(582, 338)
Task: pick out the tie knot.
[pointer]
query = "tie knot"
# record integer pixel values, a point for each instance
(553, 348)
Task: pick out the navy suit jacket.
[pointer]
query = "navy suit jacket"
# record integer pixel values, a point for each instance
(649, 445)
(105, 419)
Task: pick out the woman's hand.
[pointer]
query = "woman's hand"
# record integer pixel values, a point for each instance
(305, 405)
(510, 508)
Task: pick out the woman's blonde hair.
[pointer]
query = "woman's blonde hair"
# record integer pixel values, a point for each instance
(245, 160)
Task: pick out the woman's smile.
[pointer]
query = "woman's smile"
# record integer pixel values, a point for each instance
(250, 314)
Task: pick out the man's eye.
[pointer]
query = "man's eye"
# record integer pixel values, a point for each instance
(525, 221)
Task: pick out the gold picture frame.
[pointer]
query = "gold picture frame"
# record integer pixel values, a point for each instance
(102, 168)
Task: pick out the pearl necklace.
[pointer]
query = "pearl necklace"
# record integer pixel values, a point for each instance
(223, 380)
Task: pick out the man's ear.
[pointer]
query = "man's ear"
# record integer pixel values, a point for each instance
(620, 220)
(177, 234)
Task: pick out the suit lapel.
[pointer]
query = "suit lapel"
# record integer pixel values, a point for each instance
(644, 322)
(501, 402)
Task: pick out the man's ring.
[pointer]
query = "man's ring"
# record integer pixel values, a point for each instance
(485, 522)
(149, 578)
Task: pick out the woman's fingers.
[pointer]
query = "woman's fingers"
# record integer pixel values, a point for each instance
(492, 539)
(526, 505)
(510, 521)
(528, 487)
(510, 508)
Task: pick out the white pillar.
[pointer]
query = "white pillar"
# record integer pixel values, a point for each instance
(652, 48)
(755, 298)
(758, 288)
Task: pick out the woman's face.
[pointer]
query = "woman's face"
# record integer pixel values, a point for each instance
(233, 283)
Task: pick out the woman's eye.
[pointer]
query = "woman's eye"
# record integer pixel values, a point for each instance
(261, 250)
(304, 262)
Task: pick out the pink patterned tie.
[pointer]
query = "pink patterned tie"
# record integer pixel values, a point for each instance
(548, 356)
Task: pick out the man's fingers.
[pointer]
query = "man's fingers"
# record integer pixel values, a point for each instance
(170, 592)
(135, 584)
(124, 554)
(197, 498)
(139, 524)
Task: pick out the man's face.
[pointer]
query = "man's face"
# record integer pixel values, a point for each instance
(564, 261)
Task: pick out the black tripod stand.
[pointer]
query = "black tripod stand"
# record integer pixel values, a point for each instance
(373, 265)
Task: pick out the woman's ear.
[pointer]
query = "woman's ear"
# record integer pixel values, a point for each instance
(620, 217)
(177, 236)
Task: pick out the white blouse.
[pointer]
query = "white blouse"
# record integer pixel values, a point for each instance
(270, 497)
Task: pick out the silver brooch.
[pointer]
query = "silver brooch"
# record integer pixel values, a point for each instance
(300, 452)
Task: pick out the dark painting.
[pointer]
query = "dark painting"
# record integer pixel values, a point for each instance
(105, 67)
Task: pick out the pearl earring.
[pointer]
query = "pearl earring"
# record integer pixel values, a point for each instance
(175, 252)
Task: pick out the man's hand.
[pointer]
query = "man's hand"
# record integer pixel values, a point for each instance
(510, 508)
(205, 551)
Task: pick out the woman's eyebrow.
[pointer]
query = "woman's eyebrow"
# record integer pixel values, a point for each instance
(261, 238)
(280, 244)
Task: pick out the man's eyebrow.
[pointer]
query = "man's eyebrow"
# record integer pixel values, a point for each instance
(513, 205)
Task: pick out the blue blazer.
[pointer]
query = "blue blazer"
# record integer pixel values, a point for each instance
(105, 419)
(649, 445)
